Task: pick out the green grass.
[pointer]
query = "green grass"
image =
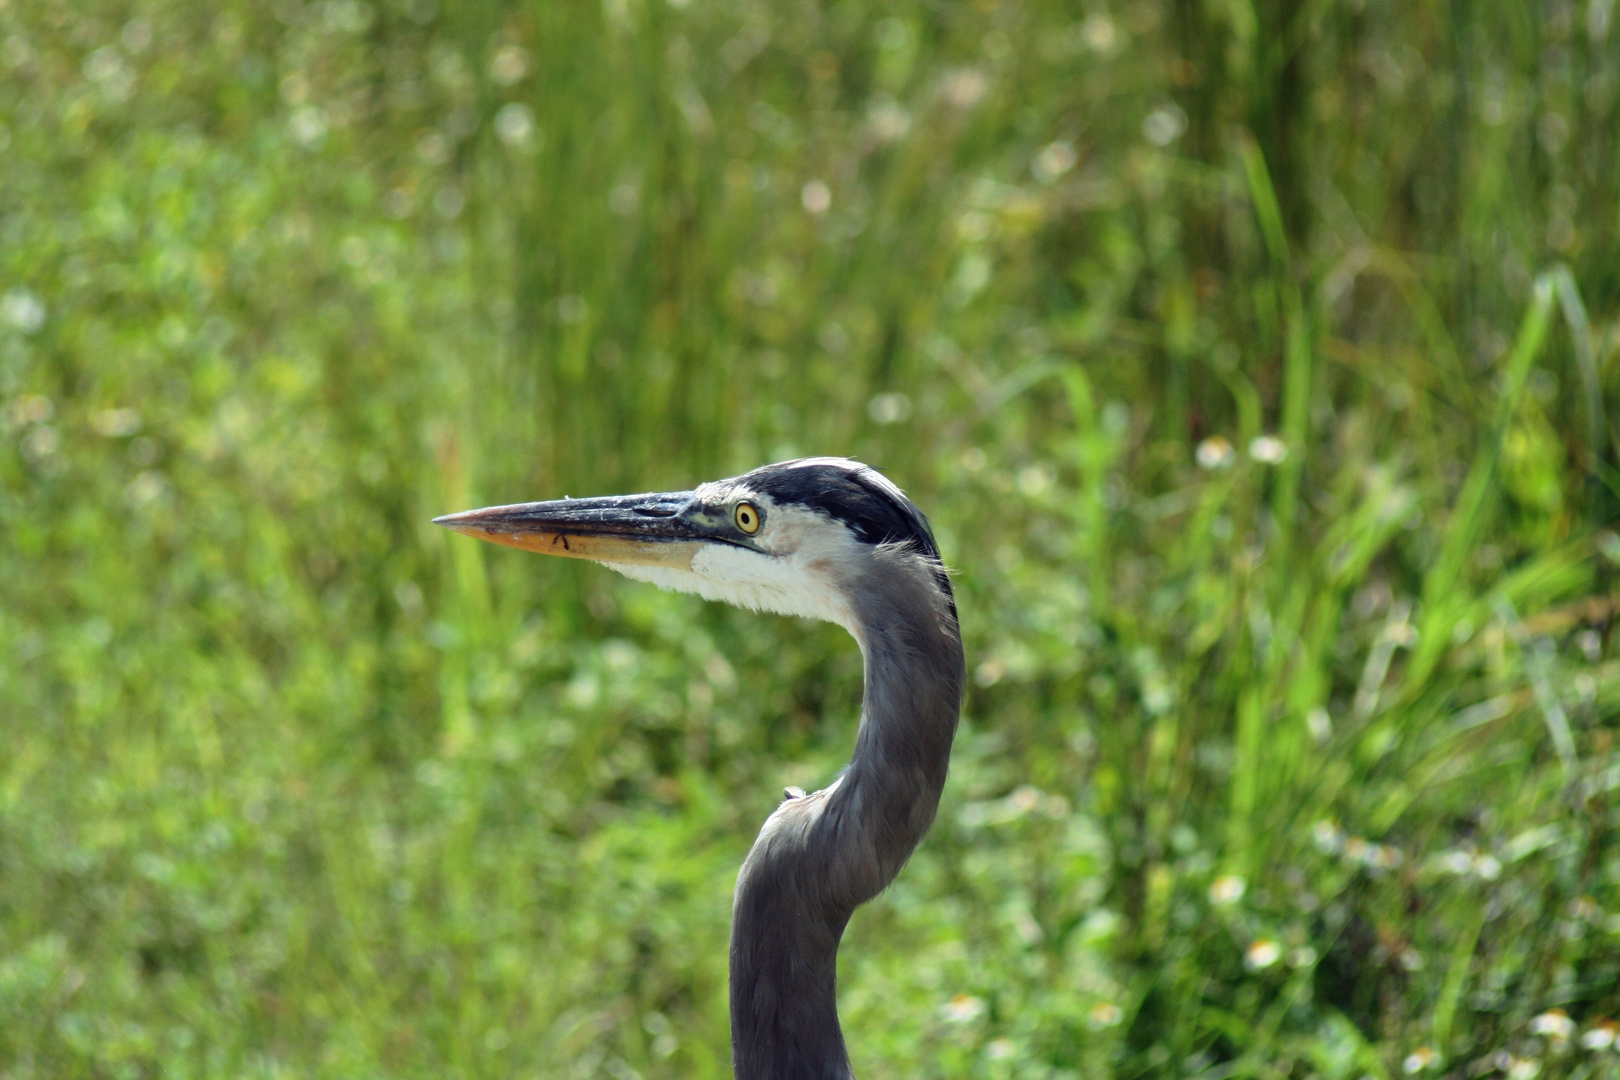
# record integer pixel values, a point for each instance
(1298, 763)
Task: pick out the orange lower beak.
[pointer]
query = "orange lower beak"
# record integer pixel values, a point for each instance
(648, 530)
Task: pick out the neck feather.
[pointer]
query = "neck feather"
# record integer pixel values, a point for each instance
(820, 856)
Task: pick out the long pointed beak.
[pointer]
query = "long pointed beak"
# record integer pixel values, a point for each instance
(650, 530)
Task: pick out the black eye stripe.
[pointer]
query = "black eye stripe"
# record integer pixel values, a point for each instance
(871, 510)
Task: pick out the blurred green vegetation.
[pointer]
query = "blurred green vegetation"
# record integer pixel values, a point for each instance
(1256, 360)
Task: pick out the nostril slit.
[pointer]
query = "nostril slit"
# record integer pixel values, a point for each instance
(654, 511)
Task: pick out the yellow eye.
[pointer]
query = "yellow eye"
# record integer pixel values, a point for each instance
(747, 518)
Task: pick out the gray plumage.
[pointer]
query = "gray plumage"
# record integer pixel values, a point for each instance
(825, 538)
(821, 856)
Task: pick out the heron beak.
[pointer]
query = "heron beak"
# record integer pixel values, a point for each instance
(649, 530)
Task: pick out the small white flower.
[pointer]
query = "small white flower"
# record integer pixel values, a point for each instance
(1105, 1014)
(22, 309)
(1418, 1060)
(815, 197)
(1214, 453)
(1164, 126)
(1383, 857)
(1584, 907)
(1035, 480)
(1554, 1023)
(1319, 724)
(1227, 889)
(1024, 799)
(886, 119)
(1262, 954)
(307, 125)
(1268, 450)
(146, 487)
(966, 88)
(1521, 1068)
(1054, 160)
(1601, 1036)
(1099, 33)
(514, 124)
(508, 65)
(1327, 837)
(1455, 862)
(992, 671)
(962, 1009)
(889, 408)
(107, 69)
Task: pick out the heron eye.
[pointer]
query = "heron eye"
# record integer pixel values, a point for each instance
(747, 518)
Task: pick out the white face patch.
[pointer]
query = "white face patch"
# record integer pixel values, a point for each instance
(809, 558)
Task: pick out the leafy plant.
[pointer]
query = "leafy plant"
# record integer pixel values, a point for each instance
(1254, 361)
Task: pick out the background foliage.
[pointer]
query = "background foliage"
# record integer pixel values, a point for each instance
(1255, 359)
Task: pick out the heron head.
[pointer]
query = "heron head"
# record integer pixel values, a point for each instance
(796, 538)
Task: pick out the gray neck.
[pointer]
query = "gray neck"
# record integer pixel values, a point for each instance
(820, 856)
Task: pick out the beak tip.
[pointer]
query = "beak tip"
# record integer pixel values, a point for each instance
(460, 523)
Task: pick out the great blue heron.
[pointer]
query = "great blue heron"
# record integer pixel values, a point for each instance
(826, 538)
